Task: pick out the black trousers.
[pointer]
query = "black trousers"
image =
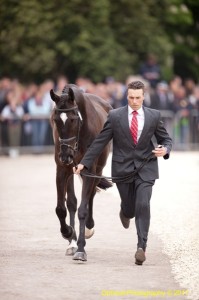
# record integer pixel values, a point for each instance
(135, 202)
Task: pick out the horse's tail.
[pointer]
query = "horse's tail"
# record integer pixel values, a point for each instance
(104, 184)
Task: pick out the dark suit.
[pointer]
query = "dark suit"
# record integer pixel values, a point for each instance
(135, 194)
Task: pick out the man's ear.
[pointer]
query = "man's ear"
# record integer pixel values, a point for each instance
(54, 97)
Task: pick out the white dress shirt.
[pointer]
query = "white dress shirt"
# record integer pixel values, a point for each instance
(140, 118)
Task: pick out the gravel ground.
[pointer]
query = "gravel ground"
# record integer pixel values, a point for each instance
(32, 260)
(176, 216)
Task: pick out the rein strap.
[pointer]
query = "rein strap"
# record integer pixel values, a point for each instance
(122, 178)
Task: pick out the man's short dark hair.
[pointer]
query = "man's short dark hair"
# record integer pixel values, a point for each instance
(136, 85)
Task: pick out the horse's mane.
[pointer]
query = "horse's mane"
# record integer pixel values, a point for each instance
(84, 99)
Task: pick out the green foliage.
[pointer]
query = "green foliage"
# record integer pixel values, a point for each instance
(97, 38)
(181, 23)
(138, 27)
(27, 38)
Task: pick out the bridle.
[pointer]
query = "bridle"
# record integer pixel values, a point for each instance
(64, 142)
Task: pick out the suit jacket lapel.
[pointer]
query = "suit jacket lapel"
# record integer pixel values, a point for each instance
(146, 125)
(124, 121)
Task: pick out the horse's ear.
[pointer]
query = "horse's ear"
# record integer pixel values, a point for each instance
(54, 97)
(71, 94)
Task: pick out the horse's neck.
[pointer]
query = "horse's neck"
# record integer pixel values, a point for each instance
(81, 103)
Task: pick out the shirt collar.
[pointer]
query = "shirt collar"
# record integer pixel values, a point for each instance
(140, 111)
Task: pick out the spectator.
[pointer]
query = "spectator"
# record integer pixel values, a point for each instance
(102, 91)
(160, 99)
(39, 109)
(46, 87)
(60, 84)
(117, 92)
(182, 107)
(5, 86)
(189, 85)
(194, 100)
(12, 115)
(86, 85)
(150, 70)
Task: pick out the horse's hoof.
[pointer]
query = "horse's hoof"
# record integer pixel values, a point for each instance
(89, 232)
(72, 248)
(70, 236)
(80, 256)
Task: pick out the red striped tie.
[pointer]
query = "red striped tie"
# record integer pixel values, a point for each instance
(134, 126)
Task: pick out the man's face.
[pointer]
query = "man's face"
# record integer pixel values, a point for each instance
(135, 98)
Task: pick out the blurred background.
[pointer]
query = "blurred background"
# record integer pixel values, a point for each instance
(101, 46)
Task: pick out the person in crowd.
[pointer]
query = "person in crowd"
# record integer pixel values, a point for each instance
(46, 87)
(131, 129)
(5, 86)
(189, 85)
(150, 70)
(174, 84)
(116, 91)
(62, 80)
(86, 85)
(160, 99)
(182, 109)
(28, 93)
(100, 89)
(39, 109)
(12, 115)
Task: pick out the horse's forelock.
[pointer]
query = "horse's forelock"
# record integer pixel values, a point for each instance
(65, 90)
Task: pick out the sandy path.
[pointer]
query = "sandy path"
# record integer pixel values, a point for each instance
(32, 255)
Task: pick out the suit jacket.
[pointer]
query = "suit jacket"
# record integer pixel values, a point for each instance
(126, 155)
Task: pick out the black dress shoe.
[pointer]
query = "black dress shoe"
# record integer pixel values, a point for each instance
(139, 256)
(125, 221)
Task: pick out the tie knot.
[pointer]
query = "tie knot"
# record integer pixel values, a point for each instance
(135, 112)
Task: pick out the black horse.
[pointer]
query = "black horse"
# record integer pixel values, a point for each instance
(76, 120)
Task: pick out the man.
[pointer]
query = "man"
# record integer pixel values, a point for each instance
(132, 128)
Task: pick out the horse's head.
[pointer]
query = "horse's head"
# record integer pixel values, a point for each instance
(67, 120)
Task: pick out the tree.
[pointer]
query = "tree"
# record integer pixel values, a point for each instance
(88, 38)
(138, 26)
(27, 35)
(98, 38)
(181, 22)
(42, 38)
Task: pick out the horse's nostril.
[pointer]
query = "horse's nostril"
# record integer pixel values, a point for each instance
(70, 159)
(62, 158)
(66, 159)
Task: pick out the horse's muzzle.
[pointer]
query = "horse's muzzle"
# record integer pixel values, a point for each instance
(66, 159)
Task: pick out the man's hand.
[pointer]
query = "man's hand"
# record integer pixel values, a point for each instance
(160, 151)
(77, 169)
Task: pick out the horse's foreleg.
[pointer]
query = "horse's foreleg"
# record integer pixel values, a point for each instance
(87, 191)
(61, 180)
(66, 230)
(89, 229)
(72, 208)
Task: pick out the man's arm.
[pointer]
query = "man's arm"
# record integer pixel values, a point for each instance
(163, 139)
(96, 147)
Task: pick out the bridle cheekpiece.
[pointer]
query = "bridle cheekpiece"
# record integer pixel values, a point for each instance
(64, 142)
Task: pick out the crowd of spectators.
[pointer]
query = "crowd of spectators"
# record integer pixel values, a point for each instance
(25, 109)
